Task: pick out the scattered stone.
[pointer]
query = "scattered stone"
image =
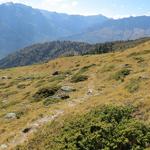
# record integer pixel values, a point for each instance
(3, 146)
(4, 101)
(127, 65)
(90, 92)
(26, 130)
(11, 116)
(55, 97)
(67, 75)
(56, 73)
(63, 96)
(68, 89)
(5, 77)
(144, 77)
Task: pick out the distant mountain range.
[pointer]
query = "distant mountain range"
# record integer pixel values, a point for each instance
(112, 30)
(21, 26)
(38, 53)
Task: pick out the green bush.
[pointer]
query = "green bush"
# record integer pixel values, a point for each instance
(107, 128)
(19, 114)
(120, 75)
(45, 92)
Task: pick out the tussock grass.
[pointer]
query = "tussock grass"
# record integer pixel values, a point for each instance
(95, 70)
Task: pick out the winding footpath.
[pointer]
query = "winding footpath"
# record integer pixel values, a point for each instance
(34, 126)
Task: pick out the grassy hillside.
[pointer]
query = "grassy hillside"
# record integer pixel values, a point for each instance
(50, 103)
(47, 51)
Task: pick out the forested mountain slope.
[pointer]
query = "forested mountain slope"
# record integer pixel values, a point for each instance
(46, 51)
(21, 25)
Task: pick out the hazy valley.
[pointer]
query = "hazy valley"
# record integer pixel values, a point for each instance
(22, 26)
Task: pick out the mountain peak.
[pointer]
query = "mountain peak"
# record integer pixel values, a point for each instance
(8, 3)
(12, 4)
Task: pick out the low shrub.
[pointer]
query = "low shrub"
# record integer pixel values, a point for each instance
(45, 92)
(110, 127)
(19, 114)
(120, 75)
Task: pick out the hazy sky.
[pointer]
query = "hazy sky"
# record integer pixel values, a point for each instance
(110, 8)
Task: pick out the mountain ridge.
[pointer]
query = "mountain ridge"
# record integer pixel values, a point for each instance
(129, 28)
(43, 52)
(23, 25)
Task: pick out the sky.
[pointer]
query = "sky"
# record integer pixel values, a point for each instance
(109, 8)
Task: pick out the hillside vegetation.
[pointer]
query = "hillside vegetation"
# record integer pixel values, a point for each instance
(46, 51)
(88, 102)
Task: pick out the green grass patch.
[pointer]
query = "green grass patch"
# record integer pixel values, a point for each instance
(79, 78)
(50, 100)
(133, 85)
(107, 68)
(85, 68)
(57, 78)
(139, 53)
(120, 75)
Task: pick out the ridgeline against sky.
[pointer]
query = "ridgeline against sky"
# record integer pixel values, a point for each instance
(109, 8)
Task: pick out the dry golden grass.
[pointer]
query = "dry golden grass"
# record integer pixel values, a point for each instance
(105, 89)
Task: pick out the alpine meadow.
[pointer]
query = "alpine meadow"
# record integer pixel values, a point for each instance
(74, 75)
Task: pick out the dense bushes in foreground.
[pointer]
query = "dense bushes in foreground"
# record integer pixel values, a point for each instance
(107, 128)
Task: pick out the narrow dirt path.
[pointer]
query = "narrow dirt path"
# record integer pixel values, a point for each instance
(34, 126)
(91, 91)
